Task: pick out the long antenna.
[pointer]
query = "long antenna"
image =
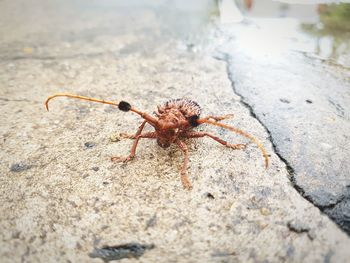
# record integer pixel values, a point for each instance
(77, 97)
(122, 105)
(240, 132)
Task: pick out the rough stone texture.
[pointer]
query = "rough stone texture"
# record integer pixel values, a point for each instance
(73, 195)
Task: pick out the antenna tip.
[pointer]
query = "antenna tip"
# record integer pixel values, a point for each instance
(124, 106)
(47, 105)
(266, 160)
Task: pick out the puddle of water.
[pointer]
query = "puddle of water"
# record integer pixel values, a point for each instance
(318, 29)
(314, 28)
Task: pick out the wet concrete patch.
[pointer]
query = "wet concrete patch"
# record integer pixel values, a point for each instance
(340, 213)
(309, 137)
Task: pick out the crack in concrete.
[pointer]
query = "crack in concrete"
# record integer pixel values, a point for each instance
(343, 198)
(331, 206)
(291, 172)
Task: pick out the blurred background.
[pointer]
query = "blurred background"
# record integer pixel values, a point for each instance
(317, 27)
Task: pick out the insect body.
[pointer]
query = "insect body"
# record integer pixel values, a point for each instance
(171, 114)
(173, 122)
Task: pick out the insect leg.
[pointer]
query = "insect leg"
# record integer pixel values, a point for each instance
(196, 122)
(184, 179)
(150, 135)
(203, 134)
(133, 136)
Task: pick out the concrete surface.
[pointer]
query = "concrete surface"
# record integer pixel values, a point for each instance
(60, 194)
(302, 100)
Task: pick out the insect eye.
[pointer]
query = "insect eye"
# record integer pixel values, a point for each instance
(193, 120)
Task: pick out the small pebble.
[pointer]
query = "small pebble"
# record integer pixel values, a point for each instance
(115, 137)
(19, 167)
(262, 225)
(95, 168)
(285, 101)
(89, 144)
(264, 211)
(209, 195)
(28, 50)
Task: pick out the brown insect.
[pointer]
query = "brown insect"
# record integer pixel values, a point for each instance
(173, 122)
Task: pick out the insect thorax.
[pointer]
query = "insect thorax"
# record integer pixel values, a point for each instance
(186, 107)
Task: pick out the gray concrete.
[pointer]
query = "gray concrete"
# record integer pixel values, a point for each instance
(303, 102)
(61, 195)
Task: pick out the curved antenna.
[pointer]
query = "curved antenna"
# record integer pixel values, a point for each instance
(77, 97)
(122, 105)
(240, 132)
